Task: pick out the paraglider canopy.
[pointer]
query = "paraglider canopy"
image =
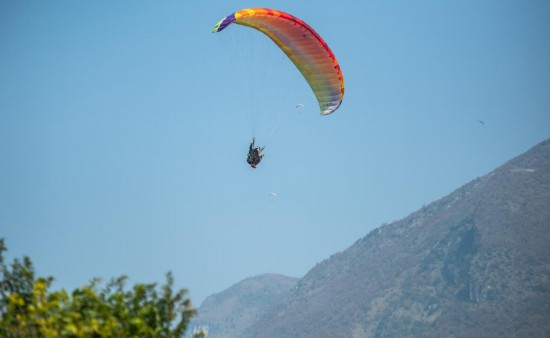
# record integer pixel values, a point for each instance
(303, 46)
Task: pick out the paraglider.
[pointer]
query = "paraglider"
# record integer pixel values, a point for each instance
(255, 154)
(303, 46)
(272, 196)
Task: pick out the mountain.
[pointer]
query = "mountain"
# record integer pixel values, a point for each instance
(231, 313)
(475, 263)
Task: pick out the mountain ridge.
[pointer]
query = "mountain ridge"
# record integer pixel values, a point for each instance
(231, 312)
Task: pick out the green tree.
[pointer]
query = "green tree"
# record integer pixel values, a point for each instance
(28, 308)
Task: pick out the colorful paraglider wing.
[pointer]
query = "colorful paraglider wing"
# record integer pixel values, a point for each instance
(307, 50)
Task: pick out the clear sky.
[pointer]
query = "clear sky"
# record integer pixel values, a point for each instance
(124, 127)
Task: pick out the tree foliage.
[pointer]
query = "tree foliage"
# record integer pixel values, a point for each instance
(29, 308)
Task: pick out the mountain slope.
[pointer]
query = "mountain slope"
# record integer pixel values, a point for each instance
(474, 263)
(230, 313)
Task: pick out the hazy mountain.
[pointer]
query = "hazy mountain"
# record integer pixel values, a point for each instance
(475, 263)
(231, 313)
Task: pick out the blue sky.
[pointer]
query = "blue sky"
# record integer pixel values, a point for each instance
(124, 127)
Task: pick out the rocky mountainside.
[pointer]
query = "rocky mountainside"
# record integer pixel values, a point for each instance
(475, 263)
(231, 313)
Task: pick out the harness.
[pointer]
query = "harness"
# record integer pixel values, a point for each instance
(253, 157)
